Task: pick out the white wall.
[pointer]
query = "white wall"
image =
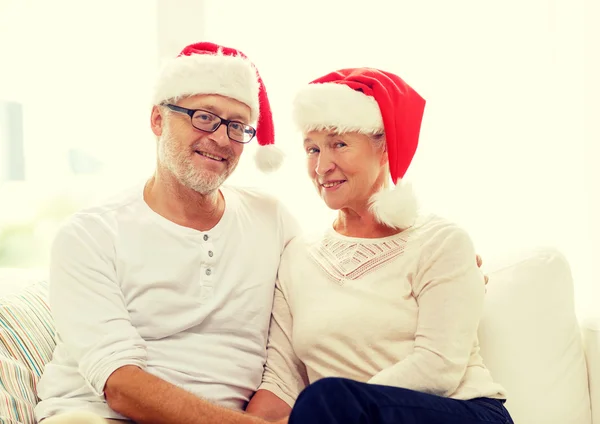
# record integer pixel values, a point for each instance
(592, 149)
(503, 148)
(510, 139)
(83, 71)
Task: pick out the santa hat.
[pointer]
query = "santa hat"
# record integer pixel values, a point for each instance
(207, 68)
(370, 101)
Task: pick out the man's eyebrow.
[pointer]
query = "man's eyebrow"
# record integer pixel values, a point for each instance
(234, 117)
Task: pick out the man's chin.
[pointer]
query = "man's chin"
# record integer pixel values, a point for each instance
(206, 183)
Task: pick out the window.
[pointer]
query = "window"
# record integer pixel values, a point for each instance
(74, 104)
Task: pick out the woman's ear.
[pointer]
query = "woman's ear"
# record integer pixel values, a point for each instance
(380, 146)
(384, 158)
(384, 155)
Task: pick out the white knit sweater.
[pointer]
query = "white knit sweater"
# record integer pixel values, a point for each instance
(400, 311)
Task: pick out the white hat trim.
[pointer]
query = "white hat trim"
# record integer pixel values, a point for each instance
(229, 76)
(336, 106)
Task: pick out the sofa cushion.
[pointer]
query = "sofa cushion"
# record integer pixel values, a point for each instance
(13, 280)
(591, 343)
(26, 345)
(531, 341)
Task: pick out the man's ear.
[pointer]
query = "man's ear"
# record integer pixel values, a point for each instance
(156, 121)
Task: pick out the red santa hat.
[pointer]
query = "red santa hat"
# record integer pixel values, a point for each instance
(370, 101)
(207, 68)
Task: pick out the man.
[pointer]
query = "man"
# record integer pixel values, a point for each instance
(162, 297)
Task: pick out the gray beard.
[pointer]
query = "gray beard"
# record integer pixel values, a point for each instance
(181, 165)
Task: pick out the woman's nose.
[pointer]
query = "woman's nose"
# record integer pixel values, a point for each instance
(324, 165)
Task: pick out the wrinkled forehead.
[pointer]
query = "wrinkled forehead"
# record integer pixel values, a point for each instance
(223, 106)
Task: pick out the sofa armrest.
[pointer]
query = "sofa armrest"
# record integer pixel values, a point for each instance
(591, 340)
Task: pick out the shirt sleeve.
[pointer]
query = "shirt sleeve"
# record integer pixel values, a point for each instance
(288, 224)
(87, 303)
(284, 374)
(449, 290)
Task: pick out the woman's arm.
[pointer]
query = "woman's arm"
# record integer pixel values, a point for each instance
(284, 375)
(450, 297)
(268, 405)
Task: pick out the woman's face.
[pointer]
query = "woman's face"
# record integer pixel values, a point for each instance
(346, 169)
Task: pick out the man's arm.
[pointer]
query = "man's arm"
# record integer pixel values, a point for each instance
(87, 303)
(93, 322)
(146, 399)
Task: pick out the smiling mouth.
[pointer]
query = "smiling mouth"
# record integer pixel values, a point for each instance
(332, 184)
(209, 156)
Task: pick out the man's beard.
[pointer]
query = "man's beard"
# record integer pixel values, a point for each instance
(181, 164)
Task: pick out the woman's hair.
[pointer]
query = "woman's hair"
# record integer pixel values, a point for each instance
(379, 141)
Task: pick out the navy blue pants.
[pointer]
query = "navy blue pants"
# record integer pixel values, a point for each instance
(343, 401)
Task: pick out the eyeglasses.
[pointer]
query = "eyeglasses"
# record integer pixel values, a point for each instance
(209, 122)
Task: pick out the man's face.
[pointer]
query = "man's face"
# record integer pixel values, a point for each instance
(199, 160)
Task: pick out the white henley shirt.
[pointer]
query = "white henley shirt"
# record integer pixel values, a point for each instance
(129, 287)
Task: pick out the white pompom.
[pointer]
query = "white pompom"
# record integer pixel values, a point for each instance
(268, 158)
(396, 208)
(76, 417)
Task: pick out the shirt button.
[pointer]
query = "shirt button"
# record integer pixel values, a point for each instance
(205, 237)
(208, 271)
(210, 253)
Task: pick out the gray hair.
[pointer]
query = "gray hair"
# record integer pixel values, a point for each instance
(379, 141)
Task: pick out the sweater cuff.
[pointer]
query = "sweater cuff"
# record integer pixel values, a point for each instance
(383, 377)
(276, 390)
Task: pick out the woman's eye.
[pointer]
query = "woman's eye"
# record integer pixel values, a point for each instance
(311, 150)
(340, 144)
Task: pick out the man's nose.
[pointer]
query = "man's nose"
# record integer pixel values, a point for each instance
(220, 136)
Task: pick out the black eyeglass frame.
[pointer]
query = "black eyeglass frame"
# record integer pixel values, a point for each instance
(227, 122)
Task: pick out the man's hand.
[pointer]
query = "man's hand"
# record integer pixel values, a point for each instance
(147, 399)
(479, 262)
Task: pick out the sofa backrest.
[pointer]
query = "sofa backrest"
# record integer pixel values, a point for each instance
(531, 341)
(14, 279)
(27, 340)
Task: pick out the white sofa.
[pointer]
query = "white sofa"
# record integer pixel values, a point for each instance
(530, 338)
(533, 343)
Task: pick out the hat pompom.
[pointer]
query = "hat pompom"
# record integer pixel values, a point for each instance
(396, 208)
(269, 158)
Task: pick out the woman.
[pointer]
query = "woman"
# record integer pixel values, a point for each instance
(375, 320)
